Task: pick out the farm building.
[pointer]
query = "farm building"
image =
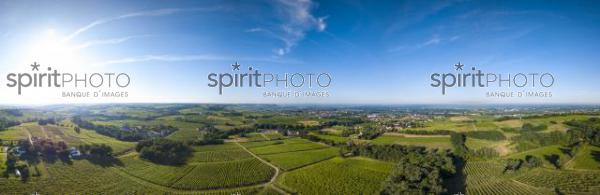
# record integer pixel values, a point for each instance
(17, 151)
(74, 153)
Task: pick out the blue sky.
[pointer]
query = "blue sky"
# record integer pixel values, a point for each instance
(377, 52)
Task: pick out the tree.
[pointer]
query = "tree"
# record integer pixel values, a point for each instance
(532, 161)
(348, 131)
(62, 145)
(164, 151)
(484, 152)
(587, 131)
(96, 150)
(369, 133)
(513, 164)
(458, 141)
(554, 159)
(101, 150)
(419, 174)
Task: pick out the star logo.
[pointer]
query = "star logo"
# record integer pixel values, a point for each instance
(35, 66)
(459, 66)
(236, 66)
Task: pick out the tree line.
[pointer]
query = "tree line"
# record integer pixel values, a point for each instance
(587, 131)
(417, 170)
(125, 133)
(164, 151)
(5, 123)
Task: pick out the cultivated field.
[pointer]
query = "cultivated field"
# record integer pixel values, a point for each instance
(260, 149)
(337, 176)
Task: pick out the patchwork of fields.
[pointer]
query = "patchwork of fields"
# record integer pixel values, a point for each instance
(440, 142)
(487, 177)
(268, 161)
(211, 167)
(63, 133)
(338, 176)
(291, 154)
(85, 177)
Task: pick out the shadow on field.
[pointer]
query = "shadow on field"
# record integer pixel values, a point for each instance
(596, 156)
(54, 158)
(457, 183)
(104, 161)
(554, 160)
(31, 159)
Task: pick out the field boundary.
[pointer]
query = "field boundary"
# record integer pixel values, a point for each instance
(530, 186)
(271, 165)
(152, 185)
(304, 151)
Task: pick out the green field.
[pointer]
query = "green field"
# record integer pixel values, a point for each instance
(255, 137)
(158, 174)
(225, 174)
(338, 176)
(219, 156)
(487, 177)
(292, 160)
(288, 145)
(2, 160)
(210, 167)
(273, 135)
(66, 134)
(566, 181)
(541, 153)
(479, 122)
(281, 148)
(218, 153)
(219, 147)
(260, 144)
(335, 138)
(441, 142)
(473, 143)
(13, 133)
(187, 130)
(587, 158)
(83, 177)
(250, 156)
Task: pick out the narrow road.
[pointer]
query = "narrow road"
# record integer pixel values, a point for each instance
(271, 165)
(474, 127)
(44, 131)
(168, 189)
(569, 163)
(264, 136)
(29, 136)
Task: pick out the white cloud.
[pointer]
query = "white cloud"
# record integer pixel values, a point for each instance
(434, 40)
(297, 20)
(104, 42)
(254, 30)
(166, 58)
(194, 57)
(158, 12)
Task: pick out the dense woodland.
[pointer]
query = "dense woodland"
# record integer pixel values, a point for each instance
(585, 131)
(417, 170)
(5, 123)
(164, 151)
